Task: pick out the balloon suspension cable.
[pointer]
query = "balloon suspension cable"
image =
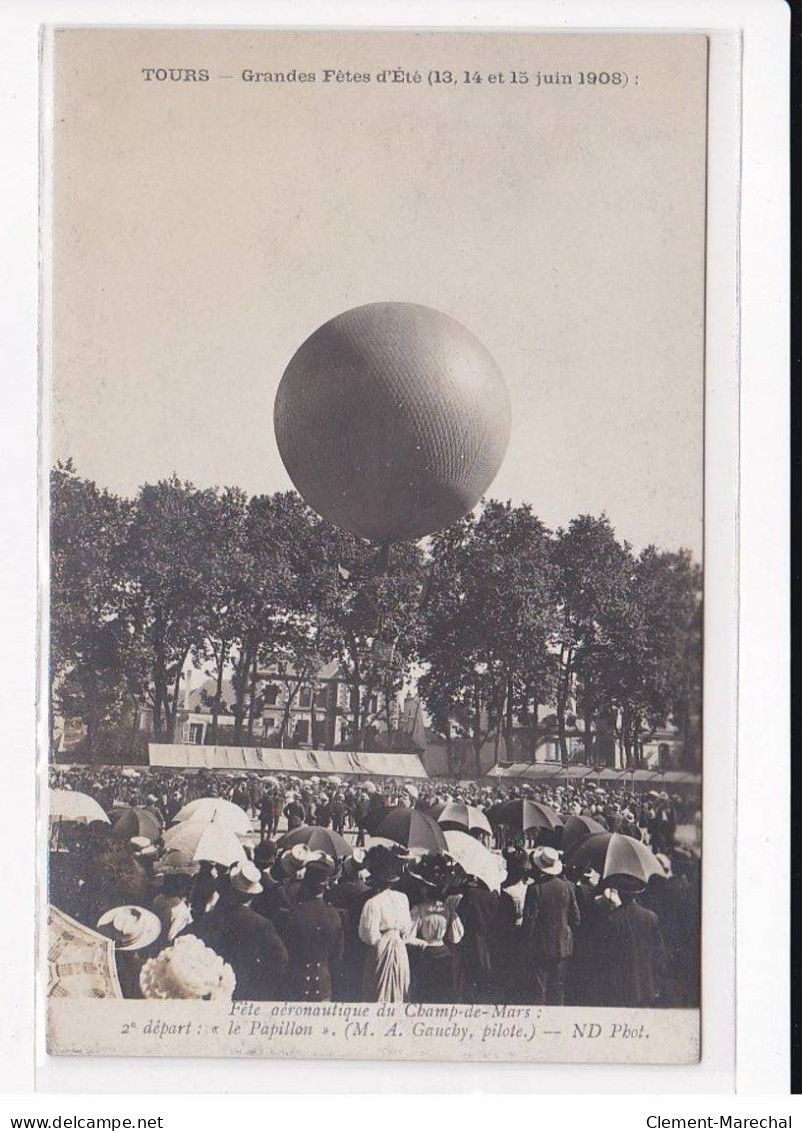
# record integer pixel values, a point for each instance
(383, 560)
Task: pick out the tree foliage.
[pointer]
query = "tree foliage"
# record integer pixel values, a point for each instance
(508, 631)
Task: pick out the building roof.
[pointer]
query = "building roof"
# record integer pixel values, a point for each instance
(196, 697)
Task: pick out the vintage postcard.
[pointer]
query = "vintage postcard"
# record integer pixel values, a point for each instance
(374, 433)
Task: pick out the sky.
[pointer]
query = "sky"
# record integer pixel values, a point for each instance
(203, 230)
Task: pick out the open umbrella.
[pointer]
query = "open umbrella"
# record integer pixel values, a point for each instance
(69, 805)
(412, 790)
(217, 810)
(80, 961)
(205, 840)
(411, 828)
(268, 779)
(612, 854)
(475, 859)
(577, 829)
(133, 821)
(334, 779)
(318, 839)
(523, 814)
(455, 815)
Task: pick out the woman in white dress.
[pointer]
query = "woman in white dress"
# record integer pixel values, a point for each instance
(384, 926)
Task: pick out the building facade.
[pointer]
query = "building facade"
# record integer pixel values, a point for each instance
(292, 709)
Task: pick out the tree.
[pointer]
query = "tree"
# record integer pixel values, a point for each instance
(655, 669)
(368, 615)
(490, 615)
(89, 653)
(274, 612)
(171, 576)
(595, 572)
(227, 555)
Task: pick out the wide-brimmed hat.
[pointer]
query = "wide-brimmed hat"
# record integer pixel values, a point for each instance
(624, 884)
(431, 871)
(187, 969)
(320, 868)
(292, 862)
(547, 860)
(515, 858)
(246, 878)
(143, 846)
(130, 927)
(383, 865)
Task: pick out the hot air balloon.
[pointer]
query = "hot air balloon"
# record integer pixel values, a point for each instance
(392, 421)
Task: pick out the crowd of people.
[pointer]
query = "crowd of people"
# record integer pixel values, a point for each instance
(377, 920)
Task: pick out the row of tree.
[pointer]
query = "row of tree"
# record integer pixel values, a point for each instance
(506, 628)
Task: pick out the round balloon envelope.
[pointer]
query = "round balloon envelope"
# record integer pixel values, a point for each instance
(392, 420)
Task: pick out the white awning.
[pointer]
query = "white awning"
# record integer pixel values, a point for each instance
(194, 757)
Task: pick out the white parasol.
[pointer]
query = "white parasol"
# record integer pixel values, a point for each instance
(477, 860)
(218, 811)
(69, 805)
(205, 840)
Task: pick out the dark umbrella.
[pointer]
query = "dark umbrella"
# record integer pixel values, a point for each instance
(456, 815)
(318, 839)
(415, 830)
(132, 822)
(613, 854)
(523, 814)
(578, 829)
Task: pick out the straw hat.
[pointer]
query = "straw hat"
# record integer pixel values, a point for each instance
(294, 861)
(246, 878)
(131, 928)
(320, 868)
(547, 860)
(665, 864)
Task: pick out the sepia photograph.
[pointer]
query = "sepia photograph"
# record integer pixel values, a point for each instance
(374, 525)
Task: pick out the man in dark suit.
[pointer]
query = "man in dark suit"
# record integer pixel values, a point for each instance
(478, 911)
(313, 932)
(348, 896)
(630, 973)
(295, 813)
(248, 942)
(550, 914)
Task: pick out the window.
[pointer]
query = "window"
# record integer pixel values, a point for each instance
(374, 704)
(271, 695)
(322, 698)
(196, 734)
(269, 722)
(305, 697)
(663, 755)
(302, 730)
